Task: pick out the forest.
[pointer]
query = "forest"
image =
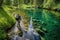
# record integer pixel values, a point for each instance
(45, 17)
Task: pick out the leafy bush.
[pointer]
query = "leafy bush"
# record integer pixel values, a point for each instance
(6, 21)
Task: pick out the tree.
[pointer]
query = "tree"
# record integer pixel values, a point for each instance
(15, 2)
(8, 2)
(1, 2)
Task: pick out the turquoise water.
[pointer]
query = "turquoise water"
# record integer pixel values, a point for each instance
(47, 20)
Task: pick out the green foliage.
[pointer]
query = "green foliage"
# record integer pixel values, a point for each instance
(6, 21)
(1, 2)
(26, 2)
(6, 18)
(8, 2)
(57, 1)
(40, 2)
(53, 4)
(15, 2)
(2, 34)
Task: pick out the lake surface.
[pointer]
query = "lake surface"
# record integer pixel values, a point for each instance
(48, 20)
